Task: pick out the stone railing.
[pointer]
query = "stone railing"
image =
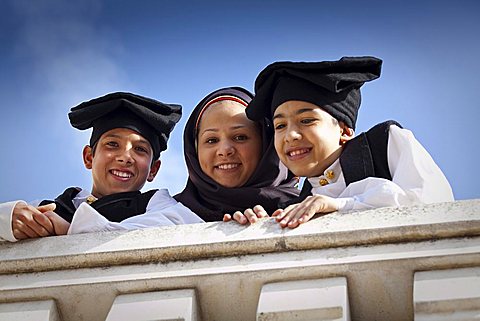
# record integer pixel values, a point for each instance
(412, 263)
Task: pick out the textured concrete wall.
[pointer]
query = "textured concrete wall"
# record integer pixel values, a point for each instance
(227, 266)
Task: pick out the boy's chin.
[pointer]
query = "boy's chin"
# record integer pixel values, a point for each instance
(305, 172)
(125, 189)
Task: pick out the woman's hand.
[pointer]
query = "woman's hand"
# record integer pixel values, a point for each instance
(249, 216)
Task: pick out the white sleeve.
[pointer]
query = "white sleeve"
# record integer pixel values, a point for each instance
(6, 211)
(416, 179)
(372, 192)
(162, 210)
(413, 169)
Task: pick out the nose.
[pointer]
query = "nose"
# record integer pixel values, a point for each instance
(292, 133)
(225, 149)
(125, 156)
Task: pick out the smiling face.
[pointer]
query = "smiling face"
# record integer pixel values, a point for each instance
(229, 144)
(121, 162)
(307, 138)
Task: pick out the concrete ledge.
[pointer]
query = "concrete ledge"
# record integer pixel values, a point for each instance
(324, 299)
(209, 240)
(226, 265)
(177, 305)
(29, 311)
(447, 294)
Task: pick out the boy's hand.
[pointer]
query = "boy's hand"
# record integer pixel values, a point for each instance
(30, 222)
(297, 214)
(249, 216)
(61, 225)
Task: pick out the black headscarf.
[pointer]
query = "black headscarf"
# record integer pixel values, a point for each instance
(270, 184)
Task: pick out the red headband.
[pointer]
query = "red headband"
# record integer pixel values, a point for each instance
(215, 100)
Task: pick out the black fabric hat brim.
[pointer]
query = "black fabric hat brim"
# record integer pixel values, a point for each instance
(159, 117)
(334, 77)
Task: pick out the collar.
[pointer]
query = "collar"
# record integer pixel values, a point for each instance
(329, 176)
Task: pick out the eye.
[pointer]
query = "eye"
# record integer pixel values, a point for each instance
(279, 126)
(211, 140)
(307, 120)
(241, 138)
(111, 143)
(141, 149)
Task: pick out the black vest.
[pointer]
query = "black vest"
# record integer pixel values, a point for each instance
(363, 156)
(115, 207)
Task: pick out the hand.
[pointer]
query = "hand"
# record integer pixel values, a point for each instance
(60, 225)
(31, 222)
(249, 216)
(297, 214)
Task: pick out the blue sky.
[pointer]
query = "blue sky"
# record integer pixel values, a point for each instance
(56, 54)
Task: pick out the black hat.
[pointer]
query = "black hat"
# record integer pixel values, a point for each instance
(332, 85)
(152, 119)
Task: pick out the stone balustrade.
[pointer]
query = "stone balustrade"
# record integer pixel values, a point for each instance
(409, 263)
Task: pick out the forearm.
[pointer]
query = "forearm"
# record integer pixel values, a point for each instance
(374, 193)
(86, 219)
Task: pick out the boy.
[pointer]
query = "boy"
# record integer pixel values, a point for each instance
(129, 133)
(313, 109)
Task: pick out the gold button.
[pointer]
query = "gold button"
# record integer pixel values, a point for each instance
(330, 174)
(323, 181)
(91, 199)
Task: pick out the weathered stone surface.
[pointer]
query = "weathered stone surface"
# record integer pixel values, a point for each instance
(160, 306)
(378, 252)
(29, 311)
(325, 299)
(197, 241)
(447, 294)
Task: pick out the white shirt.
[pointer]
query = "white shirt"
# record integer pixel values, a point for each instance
(162, 209)
(416, 179)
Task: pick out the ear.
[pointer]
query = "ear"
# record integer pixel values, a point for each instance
(347, 133)
(87, 157)
(154, 170)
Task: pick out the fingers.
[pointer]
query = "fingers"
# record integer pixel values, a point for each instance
(260, 211)
(277, 212)
(24, 223)
(227, 217)
(250, 215)
(296, 214)
(240, 218)
(60, 225)
(22, 232)
(19, 235)
(43, 220)
(47, 208)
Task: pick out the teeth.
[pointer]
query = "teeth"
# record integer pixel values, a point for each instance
(298, 152)
(228, 166)
(121, 174)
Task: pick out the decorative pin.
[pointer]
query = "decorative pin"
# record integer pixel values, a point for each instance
(323, 181)
(330, 174)
(91, 199)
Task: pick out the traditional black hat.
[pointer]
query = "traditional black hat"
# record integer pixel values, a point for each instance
(331, 85)
(152, 119)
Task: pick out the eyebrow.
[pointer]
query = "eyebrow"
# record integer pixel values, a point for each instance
(216, 130)
(298, 112)
(141, 140)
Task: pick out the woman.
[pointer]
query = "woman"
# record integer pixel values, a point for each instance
(231, 160)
